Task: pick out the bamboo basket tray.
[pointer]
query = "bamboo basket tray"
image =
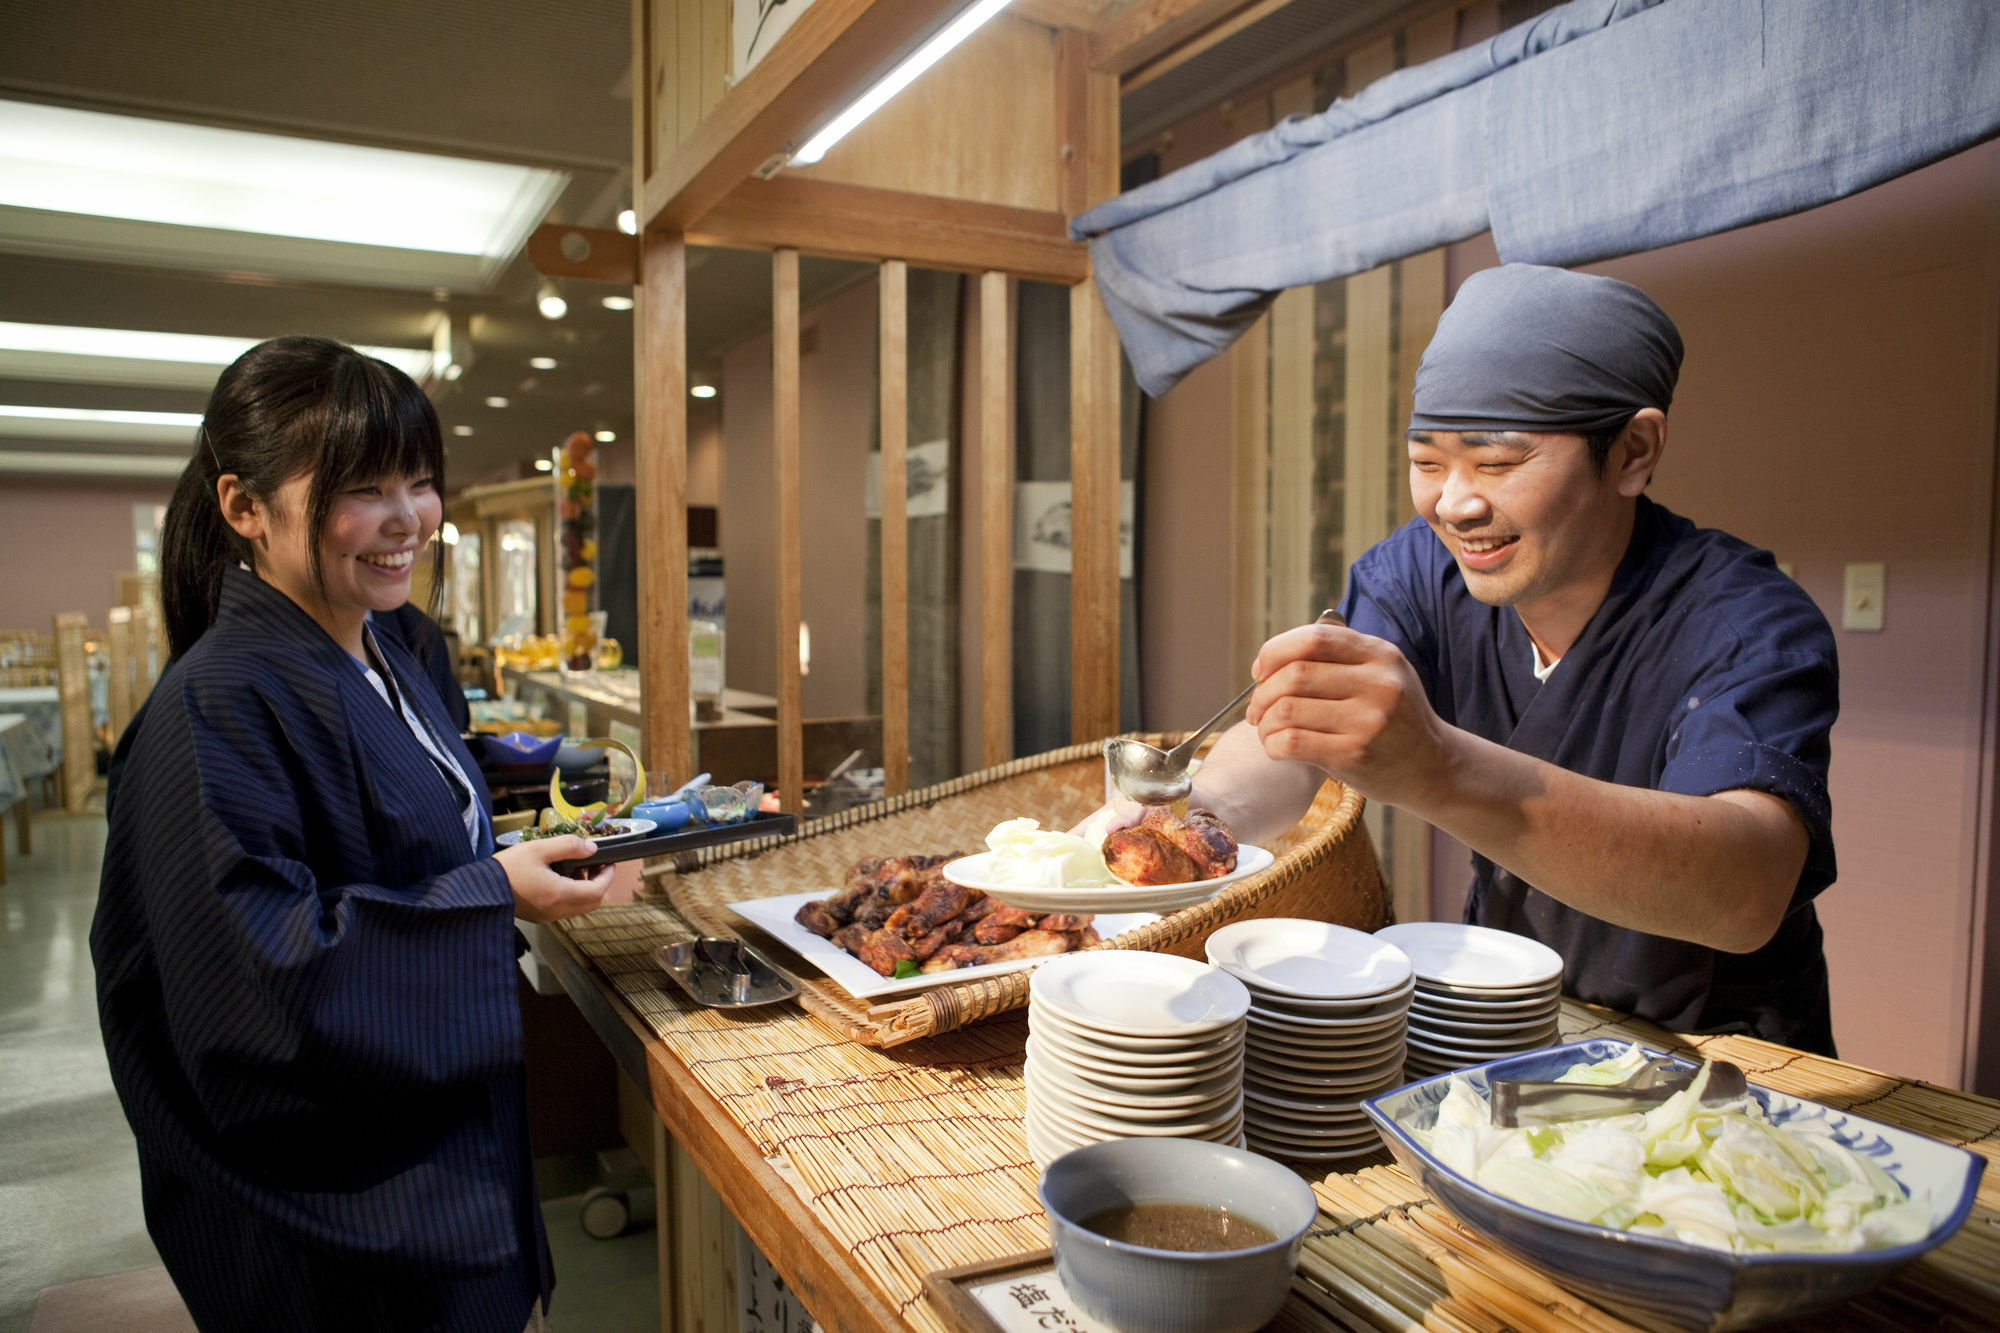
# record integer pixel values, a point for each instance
(1325, 869)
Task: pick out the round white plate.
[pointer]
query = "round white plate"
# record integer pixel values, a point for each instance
(1500, 1011)
(1355, 1028)
(972, 872)
(1085, 1034)
(1293, 1153)
(1125, 1079)
(1226, 1119)
(1456, 954)
(1438, 993)
(1481, 1050)
(1305, 1138)
(1313, 959)
(628, 828)
(1128, 992)
(1128, 1064)
(1334, 1108)
(1289, 1047)
(1370, 1006)
(1314, 1083)
(1450, 1029)
(1174, 1100)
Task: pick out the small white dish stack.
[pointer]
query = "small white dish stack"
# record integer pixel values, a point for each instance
(1482, 994)
(1124, 1044)
(1327, 1014)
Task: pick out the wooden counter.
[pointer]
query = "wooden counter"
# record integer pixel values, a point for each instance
(858, 1170)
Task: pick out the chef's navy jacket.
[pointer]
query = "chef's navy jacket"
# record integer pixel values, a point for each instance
(306, 983)
(1705, 670)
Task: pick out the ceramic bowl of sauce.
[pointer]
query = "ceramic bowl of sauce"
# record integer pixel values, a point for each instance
(1175, 1235)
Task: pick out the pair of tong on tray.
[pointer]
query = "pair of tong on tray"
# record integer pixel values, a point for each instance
(1518, 1102)
(724, 973)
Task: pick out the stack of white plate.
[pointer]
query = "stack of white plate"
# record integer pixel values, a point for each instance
(1327, 1011)
(1127, 1045)
(1482, 994)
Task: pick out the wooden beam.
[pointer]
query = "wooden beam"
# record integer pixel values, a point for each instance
(996, 502)
(1147, 30)
(660, 476)
(592, 253)
(1062, 15)
(1096, 425)
(894, 378)
(810, 71)
(785, 476)
(862, 222)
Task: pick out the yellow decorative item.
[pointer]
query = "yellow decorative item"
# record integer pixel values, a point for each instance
(589, 551)
(576, 604)
(578, 623)
(581, 577)
(620, 807)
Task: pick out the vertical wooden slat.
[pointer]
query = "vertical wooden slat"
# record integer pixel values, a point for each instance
(664, 1230)
(785, 473)
(715, 54)
(79, 765)
(1096, 418)
(1370, 396)
(663, 69)
(996, 496)
(1250, 460)
(894, 377)
(1073, 78)
(660, 474)
(642, 98)
(687, 85)
(1292, 346)
(118, 647)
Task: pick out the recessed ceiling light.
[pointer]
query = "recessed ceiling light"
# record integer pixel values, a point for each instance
(628, 222)
(139, 356)
(702, 391)
(606, 436)
(617, 303)
(453, 371)
(543, 465)
(542, 362)
(134, 169)
(496, 401)
(549, 300)
(461, 430)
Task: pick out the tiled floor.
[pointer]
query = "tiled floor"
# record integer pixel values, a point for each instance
(69, 1174)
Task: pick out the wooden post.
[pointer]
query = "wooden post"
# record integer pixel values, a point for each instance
(1096, 425)
(118, 647)
(785, 473)
(660, 474)
(1250, 463)
(79, 765)
(996, 499)
(1292, 480)
(894, 378)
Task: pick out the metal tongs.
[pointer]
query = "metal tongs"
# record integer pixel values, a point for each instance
(1517, 1102)
(724, 973)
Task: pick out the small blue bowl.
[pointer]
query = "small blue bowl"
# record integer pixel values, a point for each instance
(666, 815)
(1668, 1283)
(519, 749)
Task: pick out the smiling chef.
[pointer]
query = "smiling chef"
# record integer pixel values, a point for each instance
(1625, 716)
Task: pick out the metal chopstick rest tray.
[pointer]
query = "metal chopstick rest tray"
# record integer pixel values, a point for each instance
(724, 973)
(685, 840)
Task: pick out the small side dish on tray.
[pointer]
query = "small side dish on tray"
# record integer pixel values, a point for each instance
(899, 915)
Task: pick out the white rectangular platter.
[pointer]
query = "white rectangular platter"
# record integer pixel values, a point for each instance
(774, 916)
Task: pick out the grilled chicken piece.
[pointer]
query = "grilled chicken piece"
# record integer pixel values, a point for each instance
(850, 937)
(930, 909)
(994, 931)
(1066, 922)
(1028, 944)
(1205, 838)
(1143, 854)
(819, 918)
(1085, 938)
(883, 949)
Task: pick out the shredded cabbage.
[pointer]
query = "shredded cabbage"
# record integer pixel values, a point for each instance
(1723, 1177)
(1026, 854)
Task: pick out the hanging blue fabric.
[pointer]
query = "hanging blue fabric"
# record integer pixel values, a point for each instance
(1599, 128)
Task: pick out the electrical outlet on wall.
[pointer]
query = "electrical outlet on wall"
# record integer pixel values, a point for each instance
(1861, 601)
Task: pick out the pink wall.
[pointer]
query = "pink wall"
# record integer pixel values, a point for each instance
(63, 544)
(836, 391)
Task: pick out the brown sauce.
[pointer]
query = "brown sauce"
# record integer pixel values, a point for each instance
(1192, 1228)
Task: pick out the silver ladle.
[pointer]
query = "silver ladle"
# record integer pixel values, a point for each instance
(1152, 776)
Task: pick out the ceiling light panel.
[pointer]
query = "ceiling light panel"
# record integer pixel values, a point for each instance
(132, 177)
(140, 357)
(105, 426)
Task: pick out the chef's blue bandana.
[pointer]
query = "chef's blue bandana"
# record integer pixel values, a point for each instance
(1528, 348)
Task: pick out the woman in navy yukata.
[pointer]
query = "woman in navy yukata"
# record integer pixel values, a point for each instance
(305, 943)
(1626, 717)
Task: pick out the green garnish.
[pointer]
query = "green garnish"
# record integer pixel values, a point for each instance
(905, 969)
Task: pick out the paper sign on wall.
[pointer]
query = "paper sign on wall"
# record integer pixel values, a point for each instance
(927, 488)
(1042, 536)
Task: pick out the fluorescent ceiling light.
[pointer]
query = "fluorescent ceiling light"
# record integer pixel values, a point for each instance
(69, 463)
(102, 425)
(702, 391)
(617, 303)
(138, 356)
(62, 160)
(186, 420)
(896, 80)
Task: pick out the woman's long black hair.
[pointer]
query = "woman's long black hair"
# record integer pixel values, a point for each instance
(287, 407)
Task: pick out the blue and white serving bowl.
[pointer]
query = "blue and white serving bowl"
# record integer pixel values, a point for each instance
(1664, 1283)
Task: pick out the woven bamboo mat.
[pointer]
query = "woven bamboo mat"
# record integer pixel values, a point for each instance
(914, 1159)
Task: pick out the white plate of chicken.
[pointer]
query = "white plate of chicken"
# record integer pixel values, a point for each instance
(900, 914)
(1161, 864)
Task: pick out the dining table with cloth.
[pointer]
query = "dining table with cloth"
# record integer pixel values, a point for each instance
(23, 759)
